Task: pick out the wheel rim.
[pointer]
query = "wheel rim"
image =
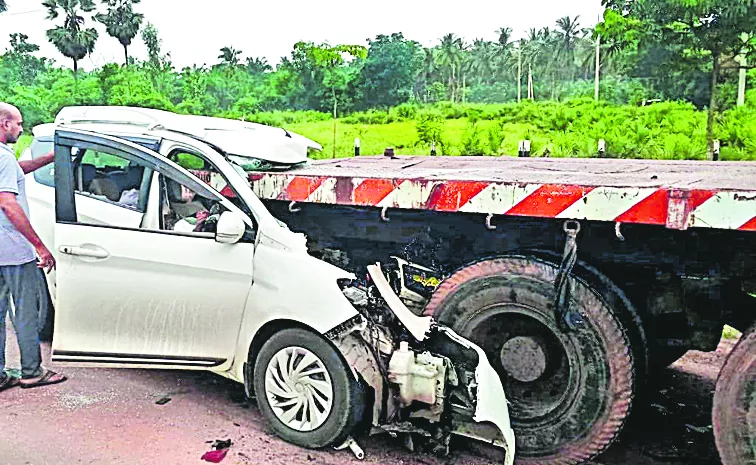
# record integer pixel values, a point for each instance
(538, 365)
(299, 388)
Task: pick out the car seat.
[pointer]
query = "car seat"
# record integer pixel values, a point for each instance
(105, 187)
(88, 173)
(182, 206)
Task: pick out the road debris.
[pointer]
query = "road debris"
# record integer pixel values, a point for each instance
(352, 445)
(218, 452)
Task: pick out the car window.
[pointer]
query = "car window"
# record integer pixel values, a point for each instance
(184, 210)
(210, 175)
(46, 174)
(188, 161)
(110, 178)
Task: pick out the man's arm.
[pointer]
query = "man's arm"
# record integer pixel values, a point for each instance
(33, 165)
(15, 214)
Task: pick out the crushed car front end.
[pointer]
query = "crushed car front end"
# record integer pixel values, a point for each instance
(428, 383)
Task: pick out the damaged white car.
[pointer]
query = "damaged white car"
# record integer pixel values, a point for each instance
(158, 269)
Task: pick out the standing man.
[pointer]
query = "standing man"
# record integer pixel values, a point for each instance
(21, 253)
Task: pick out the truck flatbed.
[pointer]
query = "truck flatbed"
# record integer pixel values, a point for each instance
(676, 194)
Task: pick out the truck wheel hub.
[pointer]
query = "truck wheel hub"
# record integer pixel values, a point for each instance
(524, 358)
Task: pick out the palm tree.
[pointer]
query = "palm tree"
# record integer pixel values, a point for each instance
(502, 55)
(229, 56)
(425, 77)
(482, 60)
(505, 36)
(567, 31)
(257, 66)
(3, 6)
(121, 22)
(450, 56)
(71, 39)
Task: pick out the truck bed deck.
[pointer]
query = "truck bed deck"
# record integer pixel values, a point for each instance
(739, 176)
(677, 194)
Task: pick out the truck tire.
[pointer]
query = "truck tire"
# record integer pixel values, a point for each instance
(570, 391)
(330, 396)
(735, 404)
(623, 309)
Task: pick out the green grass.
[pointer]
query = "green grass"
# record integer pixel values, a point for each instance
(403, 138)
(667, 130)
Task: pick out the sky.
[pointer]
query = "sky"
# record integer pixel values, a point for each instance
(193, 31)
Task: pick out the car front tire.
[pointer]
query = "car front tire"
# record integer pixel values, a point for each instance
(305, 390)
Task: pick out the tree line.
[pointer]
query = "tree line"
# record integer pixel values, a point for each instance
(645, 50)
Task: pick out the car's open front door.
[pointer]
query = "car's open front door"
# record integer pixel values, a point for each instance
(163, 295)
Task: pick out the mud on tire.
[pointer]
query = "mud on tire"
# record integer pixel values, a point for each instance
(734, 413)
(573, 405)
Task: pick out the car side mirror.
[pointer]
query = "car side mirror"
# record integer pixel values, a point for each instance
(230, 228)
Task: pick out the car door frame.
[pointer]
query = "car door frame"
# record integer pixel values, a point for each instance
(65, 188)
(65, 204)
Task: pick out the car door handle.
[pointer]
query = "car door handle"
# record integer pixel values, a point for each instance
(91, 252)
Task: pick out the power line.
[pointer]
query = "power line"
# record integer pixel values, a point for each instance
(21, 13)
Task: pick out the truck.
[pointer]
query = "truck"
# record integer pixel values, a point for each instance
(580, 279)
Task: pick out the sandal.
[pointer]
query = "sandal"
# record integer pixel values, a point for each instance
(50, 377)
(9, 382)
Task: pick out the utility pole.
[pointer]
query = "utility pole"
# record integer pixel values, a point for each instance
(742, 87)
(519, 72)
(741, 59)
(742, 81)
(598, 67)
(531, 95)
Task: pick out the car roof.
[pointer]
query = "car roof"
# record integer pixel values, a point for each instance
(239, 138)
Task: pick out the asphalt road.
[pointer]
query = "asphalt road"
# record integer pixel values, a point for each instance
(110, 417)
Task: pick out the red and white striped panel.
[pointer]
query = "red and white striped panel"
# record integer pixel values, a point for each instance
(727, 210)
(673, 208)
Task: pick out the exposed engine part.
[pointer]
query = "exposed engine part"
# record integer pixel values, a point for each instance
(352, 445)
(421, 377)
(428, 382)
(416, 325)
(358, 297)
(413, 283)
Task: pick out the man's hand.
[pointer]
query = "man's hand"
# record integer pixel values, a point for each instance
(30, 166)
(46, 259)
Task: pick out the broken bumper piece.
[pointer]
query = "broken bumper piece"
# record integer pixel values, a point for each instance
(491, 403)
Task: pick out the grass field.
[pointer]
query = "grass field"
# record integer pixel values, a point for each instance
(403, 138)
(665, 130)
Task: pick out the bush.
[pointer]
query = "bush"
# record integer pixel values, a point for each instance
(406, 111)
(473, 142)
(429, 126)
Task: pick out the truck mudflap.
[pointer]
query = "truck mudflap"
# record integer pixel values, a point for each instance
(428, 382)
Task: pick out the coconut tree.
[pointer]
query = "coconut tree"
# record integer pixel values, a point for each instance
(450, 57)
(482, 60)
(502, 53)
(229, 56)
(121, 22)
(71, 39)
(568, 31)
